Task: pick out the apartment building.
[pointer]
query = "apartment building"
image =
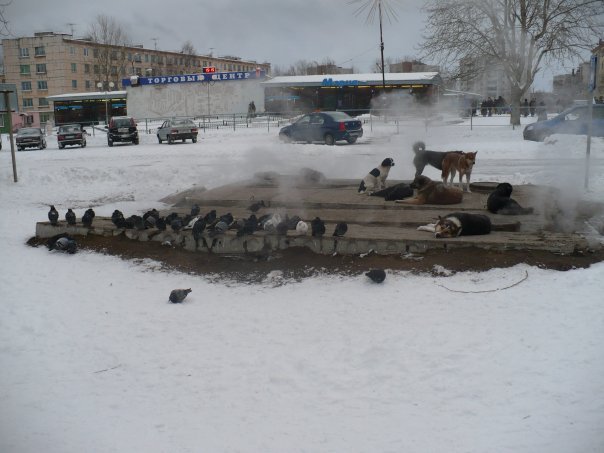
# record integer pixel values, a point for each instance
(48, 64)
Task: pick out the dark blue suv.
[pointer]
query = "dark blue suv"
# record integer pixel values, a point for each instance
(571, 121)
(327, 127)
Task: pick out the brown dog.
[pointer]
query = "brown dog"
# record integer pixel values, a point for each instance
(432, 192)
(459, 163)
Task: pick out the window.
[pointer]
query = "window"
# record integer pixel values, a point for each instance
(113, 70)
(86, 69)
(74, 67)
(113, 55)
(146, 58)
(154, 59)
(88, 84)
(26, 86)
(42, 85)
(72, 50)
(39, 51)
(95, 53)
(97, 70)
(23, 52)
(85, 51)
(28, 103)
(41, 68)
(74, 84)
(42, 102)
(24, 69)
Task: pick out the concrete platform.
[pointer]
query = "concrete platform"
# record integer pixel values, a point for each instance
(374, 225)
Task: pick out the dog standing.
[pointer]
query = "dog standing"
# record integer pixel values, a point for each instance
(376, 178)
(462, 224)
(424, 157)
(499, 201)
(432, 192)
(459, 163)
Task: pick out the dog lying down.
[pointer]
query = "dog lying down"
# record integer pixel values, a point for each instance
(376, 178)
(459, 224)
(395, 192)
(432, 192)
(499, 201)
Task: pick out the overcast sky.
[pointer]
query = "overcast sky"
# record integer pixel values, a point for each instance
(280, 32)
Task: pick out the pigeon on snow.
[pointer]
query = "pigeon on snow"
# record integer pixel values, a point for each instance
(376, 275)
(178, 295)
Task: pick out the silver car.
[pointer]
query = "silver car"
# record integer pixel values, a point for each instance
(177, 129)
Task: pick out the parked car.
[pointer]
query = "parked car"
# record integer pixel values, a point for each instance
(122, 129)
(571, 121)
(71, 134)
(177, 129)
(327, 127)
(30, 137)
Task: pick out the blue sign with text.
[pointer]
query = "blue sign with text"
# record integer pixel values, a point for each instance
(194, 78)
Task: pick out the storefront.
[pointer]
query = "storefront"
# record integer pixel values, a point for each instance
(357, 93)
(88, 108)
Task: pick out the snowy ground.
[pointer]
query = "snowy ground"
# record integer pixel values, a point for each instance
(93, 358)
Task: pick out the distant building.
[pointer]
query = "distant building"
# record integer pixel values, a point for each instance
(573, 86)
(485, 77)
(412, 66)
(49, 64)
(598, 51)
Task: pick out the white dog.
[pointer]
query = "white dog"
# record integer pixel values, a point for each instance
(376, 178)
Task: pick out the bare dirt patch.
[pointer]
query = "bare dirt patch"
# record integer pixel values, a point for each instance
(300, 263)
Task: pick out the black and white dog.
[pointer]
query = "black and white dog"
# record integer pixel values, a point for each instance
(376, 178)
(499, 201)
(459, 224)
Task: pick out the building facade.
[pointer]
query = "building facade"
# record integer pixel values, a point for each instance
(49, 64)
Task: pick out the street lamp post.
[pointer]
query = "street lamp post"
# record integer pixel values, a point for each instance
(111, 85)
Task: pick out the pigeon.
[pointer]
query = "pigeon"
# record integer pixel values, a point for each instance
(63, 243)
(292, 222)
(317, 227)
(255, 207)
(227, 218)
(250, 225)
(135, 222)
(341, 229)
(195, 210)
(191, 223)
(219, 228)
(271, 223)
(178, 295)
(70, 217)
(53, 215)
(176, 224)
(376, 275)
(118, 219)
(302, 227)
(160, 224)
(210, 217)
(281, 228)
(88, 217)
(198, 228)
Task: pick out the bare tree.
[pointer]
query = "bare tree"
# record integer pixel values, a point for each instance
(110, 54)
(521, 35)
(189, 52)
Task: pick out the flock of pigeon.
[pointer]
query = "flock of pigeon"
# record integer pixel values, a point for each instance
(213, 224)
